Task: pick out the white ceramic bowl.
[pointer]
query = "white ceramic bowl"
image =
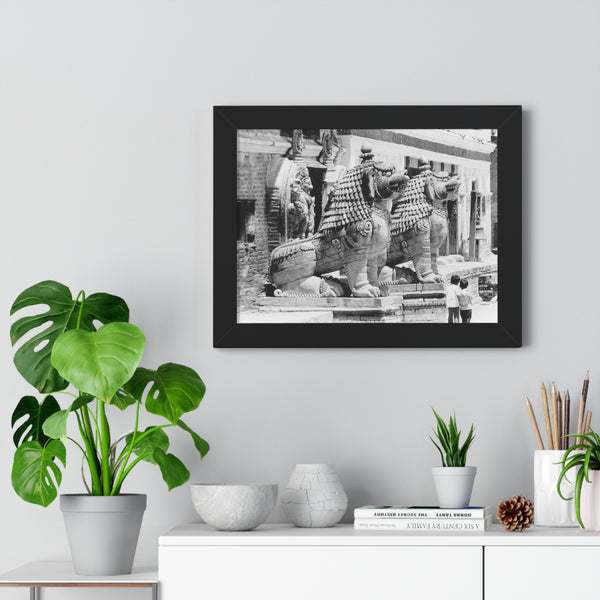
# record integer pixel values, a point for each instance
(232, 507)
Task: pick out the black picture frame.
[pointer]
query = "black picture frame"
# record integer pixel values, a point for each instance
(228, 333)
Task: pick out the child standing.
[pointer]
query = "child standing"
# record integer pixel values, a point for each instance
(464, 302)
(452, 299)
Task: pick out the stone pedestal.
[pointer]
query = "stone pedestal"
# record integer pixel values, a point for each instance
(421, 302)
(372, 310)
(406, 303)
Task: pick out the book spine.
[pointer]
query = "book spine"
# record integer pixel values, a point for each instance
(389, 513)
(422, 524)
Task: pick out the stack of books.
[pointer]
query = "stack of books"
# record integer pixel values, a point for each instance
(422, 518)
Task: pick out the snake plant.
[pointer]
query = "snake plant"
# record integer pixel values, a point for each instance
(452, 453)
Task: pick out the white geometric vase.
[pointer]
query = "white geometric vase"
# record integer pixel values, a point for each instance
(549, 509)
(314, 496)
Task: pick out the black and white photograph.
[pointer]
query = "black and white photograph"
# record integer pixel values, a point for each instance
(403, 222)
(368, 226)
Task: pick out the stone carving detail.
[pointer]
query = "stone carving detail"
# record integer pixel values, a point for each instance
(420, 221)
(331, 147)
(297, 144)
(353, 235)
(301, 213)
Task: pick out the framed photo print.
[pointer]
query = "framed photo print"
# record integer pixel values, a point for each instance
(367, 226)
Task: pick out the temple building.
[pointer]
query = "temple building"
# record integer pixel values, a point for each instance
(285, 178)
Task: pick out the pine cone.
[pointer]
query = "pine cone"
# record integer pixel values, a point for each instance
(516, 513)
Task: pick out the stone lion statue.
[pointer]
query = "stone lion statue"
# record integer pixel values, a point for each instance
(353, 236)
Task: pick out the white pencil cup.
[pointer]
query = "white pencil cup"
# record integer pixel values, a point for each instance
(549, 509)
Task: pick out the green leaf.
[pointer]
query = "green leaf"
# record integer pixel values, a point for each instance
(586, 464)
(55, 426)
(100, 362)
(201, 445)
(35, 470)
(452, 453)
(31, 429)
(175, 390)
(122, 399)
(81, 401)
(440, 451)
(173, 470)
(32, 359)
(154, 438)
(578, 484)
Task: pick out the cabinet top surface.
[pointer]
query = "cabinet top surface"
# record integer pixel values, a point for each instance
(197, 534)
(54, 573)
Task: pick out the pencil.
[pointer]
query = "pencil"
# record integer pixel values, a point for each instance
(588, 420)
(586, 385)
(567, 419)
(547, 417)
(534, 424)
(561, 435)
(580, 419)
(555, 429)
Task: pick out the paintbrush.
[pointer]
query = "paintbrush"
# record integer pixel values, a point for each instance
(534, 424)
(547, 417)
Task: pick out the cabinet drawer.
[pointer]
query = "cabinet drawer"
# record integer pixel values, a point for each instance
(320, 572)
(527, 572)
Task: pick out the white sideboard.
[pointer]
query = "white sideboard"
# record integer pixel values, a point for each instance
(281, 561)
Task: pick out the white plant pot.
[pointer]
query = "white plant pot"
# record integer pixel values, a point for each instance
(103, 531)
(549, 509)
(453, 485)
(314, 496)
(590, 502)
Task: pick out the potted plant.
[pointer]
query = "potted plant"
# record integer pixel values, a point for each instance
(453, 480)
(584, 459)
(88, 343)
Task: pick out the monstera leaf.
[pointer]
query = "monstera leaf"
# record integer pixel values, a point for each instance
(32, 359)
(100, 362)
(172, 469)
(175, 390)
(55, 426)
(36, 414)
(155, 438)
(123, 399)
(201, 445)
(35, 469)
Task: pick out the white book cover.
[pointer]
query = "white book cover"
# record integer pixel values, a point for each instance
(420, 512)
(454, 525)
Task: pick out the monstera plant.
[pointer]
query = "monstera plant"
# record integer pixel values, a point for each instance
(87, 344)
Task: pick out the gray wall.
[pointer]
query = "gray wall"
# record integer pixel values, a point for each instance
(106, 184)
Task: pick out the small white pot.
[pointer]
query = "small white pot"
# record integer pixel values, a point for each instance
(590, 502)
(453, 485)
